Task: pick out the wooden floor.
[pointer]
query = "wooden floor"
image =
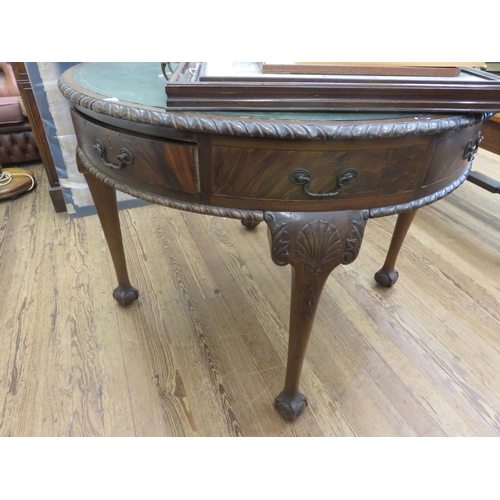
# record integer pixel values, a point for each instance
(202, 352)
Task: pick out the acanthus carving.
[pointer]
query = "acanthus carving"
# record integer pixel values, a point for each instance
(353, 243)
(280, 240)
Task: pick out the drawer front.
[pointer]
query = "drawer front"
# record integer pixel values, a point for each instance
(263, 173)
(139, 161)
(448, 157)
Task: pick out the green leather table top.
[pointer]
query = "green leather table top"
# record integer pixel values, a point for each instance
(143, 83)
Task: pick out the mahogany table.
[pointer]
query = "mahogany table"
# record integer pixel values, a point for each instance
(313, 178)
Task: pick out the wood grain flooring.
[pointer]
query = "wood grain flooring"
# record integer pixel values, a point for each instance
(203, 350)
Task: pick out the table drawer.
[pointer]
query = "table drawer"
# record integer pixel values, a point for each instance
(137, 160)
(265, 173)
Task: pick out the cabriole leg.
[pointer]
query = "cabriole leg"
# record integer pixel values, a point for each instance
(388, 275)
(104, 198)
(313, 244)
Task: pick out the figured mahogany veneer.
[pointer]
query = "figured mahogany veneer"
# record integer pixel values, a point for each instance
(255, 173)
(154, 163)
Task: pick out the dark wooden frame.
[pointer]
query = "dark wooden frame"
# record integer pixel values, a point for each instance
(29, 101)
(189, 88)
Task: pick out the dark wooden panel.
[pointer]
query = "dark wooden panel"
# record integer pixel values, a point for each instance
(156, 163)
(264, 173)
(192, 89)
(447, 159)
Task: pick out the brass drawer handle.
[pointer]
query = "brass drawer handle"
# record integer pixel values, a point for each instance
(124, 156)
(303, 177)
(472, 147)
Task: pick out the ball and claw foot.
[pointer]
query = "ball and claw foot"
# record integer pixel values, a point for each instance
(250, 224)
(125, 296)
(290, 408)
(386, 278)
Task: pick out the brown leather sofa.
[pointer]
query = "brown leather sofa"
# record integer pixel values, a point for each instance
(17, 141)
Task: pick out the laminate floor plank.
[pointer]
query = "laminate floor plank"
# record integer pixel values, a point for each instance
(418, 371)
(380, 362)
(149, 378)
(164, 334)
(188, 305)
(253, 248)
(28, 263)
(241, 358)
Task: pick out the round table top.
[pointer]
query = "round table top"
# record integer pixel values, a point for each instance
(136, 92)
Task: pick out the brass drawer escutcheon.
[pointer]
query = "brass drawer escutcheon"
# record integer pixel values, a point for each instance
(302, 177)
(124, 156)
